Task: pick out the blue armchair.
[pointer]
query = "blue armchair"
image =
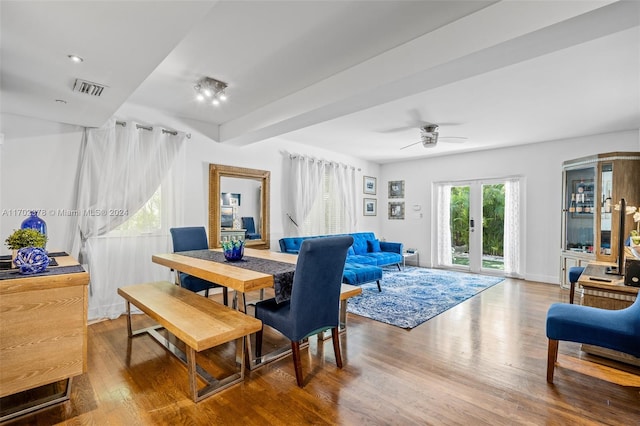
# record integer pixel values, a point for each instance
(618, 330)
(315, 298)
(249, 225)
(194, 238)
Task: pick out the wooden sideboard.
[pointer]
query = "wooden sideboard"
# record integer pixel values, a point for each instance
(43, 328)
(232, 234)
(611, 294)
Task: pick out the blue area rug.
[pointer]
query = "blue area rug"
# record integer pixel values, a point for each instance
(415, 295)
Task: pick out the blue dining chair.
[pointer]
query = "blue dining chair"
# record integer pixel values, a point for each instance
(574, 275)
(249, 225)
(194, 238)
(618, 330)
(315, 298)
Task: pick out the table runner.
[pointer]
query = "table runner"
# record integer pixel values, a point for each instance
(282, 272)
(11, 274)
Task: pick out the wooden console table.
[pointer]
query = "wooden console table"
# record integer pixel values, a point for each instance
(43, 333)
(607, 292)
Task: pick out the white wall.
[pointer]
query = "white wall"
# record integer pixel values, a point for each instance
(37, 172)
(541, 166)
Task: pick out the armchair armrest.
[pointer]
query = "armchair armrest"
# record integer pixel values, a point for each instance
(391, 247)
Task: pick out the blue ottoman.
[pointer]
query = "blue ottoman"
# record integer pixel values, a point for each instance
(356, 274)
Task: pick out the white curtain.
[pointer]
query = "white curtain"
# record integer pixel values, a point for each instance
(305, 184)
(344, 179)
(443, 225)
(311, 205)
(512, 227)
(121, 167)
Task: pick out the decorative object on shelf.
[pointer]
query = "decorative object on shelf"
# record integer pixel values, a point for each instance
(396, 189)
(31, 260)
(233, 250)
(369, 185)
(396, 210)
(370, 207)
(27, 237)
(35, 222)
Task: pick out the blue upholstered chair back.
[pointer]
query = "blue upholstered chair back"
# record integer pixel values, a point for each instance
(249, 225)
(315, 294)
(189, 238)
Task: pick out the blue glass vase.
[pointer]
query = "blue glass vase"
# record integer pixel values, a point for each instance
(35, 222)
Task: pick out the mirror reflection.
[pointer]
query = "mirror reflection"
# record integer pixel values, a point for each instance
(238, 205)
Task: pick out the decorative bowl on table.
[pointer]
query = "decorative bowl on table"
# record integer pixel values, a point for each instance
(233, 250)
(32, 260)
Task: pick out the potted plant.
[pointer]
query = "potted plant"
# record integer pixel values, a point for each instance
(24, 238)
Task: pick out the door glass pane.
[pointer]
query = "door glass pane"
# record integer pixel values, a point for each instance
(579, 199)
(493, 226)
(459, 224)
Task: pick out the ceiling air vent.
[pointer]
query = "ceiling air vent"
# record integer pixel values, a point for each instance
(88, 87)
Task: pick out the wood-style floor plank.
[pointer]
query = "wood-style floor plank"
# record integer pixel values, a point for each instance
(482, 362)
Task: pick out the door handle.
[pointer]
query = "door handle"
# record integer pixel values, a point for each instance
(472, 224)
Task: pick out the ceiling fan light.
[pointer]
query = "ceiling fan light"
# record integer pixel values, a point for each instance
(215, 102)
(200, 97)
(222, 96)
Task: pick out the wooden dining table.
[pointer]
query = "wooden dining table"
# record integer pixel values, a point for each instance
(225, 273)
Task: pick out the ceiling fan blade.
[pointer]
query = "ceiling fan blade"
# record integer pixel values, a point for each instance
(453, 139)
(415, 143)
(397, 129)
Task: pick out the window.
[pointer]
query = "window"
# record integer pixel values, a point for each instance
(147, 220)
(328, 214)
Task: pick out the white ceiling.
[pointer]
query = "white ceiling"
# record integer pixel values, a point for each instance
(356, 77)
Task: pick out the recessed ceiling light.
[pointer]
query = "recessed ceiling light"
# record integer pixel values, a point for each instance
(75, 58)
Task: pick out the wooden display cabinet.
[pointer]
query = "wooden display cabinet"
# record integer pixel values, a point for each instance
(591, 188)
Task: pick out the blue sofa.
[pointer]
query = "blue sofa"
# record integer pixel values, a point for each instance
(365, 257)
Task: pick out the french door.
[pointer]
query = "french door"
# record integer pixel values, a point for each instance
(477, 222)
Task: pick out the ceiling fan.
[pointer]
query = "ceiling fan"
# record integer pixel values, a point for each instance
(429, 137)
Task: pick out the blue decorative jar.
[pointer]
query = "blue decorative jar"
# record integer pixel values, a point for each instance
(32, 260)
(233, 250)
(35, 222)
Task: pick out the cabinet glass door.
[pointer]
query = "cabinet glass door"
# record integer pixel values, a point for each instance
(579, 210)
(606, 209)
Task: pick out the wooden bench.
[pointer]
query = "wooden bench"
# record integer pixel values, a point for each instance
(197, 321)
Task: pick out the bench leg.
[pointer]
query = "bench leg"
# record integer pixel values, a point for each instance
(378, 282)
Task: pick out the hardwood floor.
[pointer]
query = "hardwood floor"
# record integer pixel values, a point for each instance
(482, 362)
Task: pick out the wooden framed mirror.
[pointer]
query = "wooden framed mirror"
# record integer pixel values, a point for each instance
(246, 194)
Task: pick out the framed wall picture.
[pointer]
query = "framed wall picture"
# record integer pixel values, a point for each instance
(396, 210)
(369, 185)
(229, 199)
(396, 189)
(370, 207)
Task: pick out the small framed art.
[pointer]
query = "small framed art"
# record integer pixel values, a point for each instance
(396, 189)
(396, 210)
(370, 207)
(369, 185)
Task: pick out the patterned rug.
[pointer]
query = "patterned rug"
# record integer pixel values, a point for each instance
(415, 295)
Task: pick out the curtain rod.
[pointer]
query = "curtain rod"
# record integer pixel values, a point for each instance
(294, 156)
(140, 126)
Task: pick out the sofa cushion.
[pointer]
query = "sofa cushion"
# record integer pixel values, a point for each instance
(364, 259)
(350, 252)
(356, 274)
(359, 245)
(373, 246)
(384, 258)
